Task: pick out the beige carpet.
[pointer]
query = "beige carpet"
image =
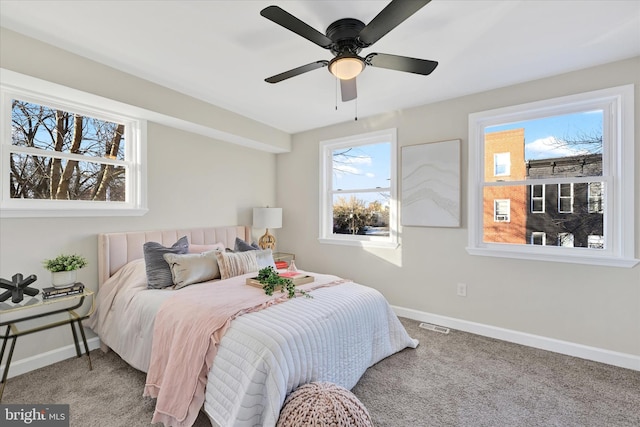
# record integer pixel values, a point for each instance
(458, 379)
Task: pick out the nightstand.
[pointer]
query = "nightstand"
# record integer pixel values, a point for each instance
(283, 257)
(12, 316)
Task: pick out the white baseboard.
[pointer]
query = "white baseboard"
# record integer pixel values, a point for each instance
(622, 360)
(22, 366)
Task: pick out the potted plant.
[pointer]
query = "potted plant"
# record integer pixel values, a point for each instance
(271, 281)
(63, 269)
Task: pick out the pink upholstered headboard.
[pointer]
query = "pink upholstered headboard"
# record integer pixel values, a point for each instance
(117, 249)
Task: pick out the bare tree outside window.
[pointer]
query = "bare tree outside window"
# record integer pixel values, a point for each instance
(61, 155)
(361, 198)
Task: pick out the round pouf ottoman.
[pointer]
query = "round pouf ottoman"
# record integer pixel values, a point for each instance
(323, 404)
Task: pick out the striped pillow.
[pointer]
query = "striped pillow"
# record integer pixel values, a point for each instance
(236, 263)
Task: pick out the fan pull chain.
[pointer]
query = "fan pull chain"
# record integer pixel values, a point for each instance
(356, 119)
(336, 93)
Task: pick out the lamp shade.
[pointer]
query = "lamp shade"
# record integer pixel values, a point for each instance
(267, 217)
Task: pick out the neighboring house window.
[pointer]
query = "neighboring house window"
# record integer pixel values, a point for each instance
(596, 242)
(501, 164)
(577, 146)
(565, 239)
(501, 210)
(63, 157)
(358, 190)
(565, 198)
(539, 238)
(595, 194)
(537, 198)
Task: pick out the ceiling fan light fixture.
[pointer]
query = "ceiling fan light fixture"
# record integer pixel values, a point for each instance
(346, 67)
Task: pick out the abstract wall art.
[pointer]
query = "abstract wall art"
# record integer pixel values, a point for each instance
(431, 184)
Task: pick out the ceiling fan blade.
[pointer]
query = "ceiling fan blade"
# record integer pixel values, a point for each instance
(290, 22)
(348, 89)
(401, 63)
(389, 18)
(296, 71)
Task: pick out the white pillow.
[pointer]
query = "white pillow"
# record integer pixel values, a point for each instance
(264, 258)
(198, 249)
(188, 269)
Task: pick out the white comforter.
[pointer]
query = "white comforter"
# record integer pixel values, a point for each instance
(264, 355)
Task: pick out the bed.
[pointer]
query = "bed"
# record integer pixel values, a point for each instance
(243, 371)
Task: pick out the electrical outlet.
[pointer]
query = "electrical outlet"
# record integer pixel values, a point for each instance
(462, 289)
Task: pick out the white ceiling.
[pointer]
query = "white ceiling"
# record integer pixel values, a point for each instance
(221, 51)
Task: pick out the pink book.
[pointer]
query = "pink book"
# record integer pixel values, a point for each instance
(291, 274)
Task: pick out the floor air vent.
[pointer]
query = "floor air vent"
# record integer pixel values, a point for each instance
(434, 328)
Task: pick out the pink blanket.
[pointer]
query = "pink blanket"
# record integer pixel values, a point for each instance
(187, 329)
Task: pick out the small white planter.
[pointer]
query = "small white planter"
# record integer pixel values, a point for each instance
(61, 279)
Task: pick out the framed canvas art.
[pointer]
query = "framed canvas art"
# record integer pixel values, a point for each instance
(431, 184)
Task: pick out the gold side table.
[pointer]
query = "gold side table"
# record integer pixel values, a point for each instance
(51, 307)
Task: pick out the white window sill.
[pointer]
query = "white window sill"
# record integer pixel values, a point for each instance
(361, 243)
(590, 259)
(59, 213)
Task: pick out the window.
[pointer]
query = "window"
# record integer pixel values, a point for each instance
(565, 198)
(565, 239)
(574, 149)
(537, 198)
(501, 164)
(501, 210)
(538, 238)
(595, 194)
(358, 190)
(60, 157)
(596, 242)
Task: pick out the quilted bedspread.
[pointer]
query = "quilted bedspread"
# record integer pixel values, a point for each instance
(267, 354)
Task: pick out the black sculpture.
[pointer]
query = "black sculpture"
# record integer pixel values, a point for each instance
(18, 287)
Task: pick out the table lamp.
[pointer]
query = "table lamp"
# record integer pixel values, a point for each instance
(267, 218)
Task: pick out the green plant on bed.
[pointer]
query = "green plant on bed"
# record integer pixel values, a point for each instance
(65, 263)
(270, 280)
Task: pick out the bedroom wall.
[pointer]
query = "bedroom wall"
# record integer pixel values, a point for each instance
(193, 181)
(586, 305)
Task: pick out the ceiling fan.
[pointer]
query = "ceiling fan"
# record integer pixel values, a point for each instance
(345, 38)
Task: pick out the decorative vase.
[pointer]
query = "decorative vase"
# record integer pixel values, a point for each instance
(61, 279)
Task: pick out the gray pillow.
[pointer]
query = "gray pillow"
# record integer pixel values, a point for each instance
(158, 270)
(242, 246)
(188, 269)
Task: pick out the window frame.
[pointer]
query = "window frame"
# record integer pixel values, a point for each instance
(497, 202)
(542, 198)
(561, 197)
(326, 148)
(539, 234)
(594, 239)
(566, 237)
(506, 165)
(595, 199)
(29, 89)
(617, 104)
